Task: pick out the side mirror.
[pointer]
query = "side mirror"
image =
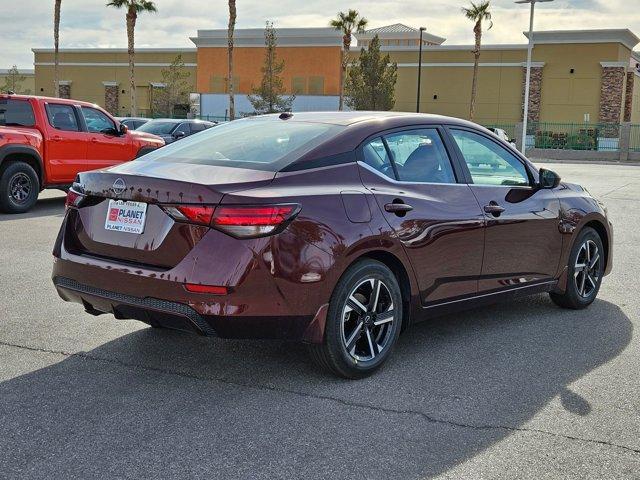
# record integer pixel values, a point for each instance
(123, 129)
(179, 134)
(548, 178)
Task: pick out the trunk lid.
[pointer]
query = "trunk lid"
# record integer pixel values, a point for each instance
(164, 242)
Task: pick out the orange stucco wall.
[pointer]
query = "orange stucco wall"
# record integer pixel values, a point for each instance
(298, 62)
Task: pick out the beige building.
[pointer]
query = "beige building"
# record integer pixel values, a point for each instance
(577, 76)
(101, 75)
(26, 86)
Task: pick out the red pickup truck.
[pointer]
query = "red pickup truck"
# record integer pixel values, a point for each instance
(45, 142)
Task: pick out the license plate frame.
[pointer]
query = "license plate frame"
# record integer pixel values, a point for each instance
(126, 216)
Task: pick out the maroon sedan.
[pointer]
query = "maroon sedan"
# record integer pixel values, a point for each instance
(334, 229)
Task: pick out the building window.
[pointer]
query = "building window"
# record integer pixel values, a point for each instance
(298, 85)
(316, 85)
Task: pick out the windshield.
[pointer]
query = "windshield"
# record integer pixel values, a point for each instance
(258, 143)
(158, 128)
(16, 113)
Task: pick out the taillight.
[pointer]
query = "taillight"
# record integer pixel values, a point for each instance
(248, 221)
(200, 214)
(209, 289)
(73, 199)
(242, 221)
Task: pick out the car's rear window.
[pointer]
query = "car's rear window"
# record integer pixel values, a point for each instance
(262, 144)
(16, 113)
(158, 127)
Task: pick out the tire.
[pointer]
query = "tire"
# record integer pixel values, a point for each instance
(19, 188)
(358, 337)
(583, 280)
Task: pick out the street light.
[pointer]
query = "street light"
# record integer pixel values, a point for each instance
(422, 29)
(528, 77)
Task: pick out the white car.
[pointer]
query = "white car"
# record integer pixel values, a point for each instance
(501, 134)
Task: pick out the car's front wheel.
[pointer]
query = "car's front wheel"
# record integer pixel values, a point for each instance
(585, 271)
(19, 188)
(363, 321)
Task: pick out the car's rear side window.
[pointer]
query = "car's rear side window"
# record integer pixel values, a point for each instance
(263, 144)
(16, 113)
(63, 117)
(416, 156)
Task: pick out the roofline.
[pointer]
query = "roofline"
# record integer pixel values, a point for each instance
(21, 71)
(116, 50)
(429, 37)
(605, 35)
(438, 48)
(254, 37)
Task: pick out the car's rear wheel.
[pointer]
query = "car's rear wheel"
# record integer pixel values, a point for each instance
(19, 188)
(363, 321)
(586, 268)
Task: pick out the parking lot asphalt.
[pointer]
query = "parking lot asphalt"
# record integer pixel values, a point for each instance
(517, 390)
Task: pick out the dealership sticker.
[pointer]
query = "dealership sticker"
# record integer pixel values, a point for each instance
(127, 217)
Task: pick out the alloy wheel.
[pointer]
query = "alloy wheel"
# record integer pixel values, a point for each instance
(367, 320)
(20, 187)
(586, 272)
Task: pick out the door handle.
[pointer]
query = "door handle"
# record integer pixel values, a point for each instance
(398, 208)
(56, 139)
(494, 209)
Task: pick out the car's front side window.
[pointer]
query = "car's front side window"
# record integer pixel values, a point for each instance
(420, 156)
(488, 162)
(97, 121)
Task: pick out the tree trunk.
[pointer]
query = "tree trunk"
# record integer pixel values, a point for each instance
(346, 44)
(232, 26)
(56, 44)
(474, 84)
(131, 27)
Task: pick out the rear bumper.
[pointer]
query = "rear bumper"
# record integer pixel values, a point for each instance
(153, 311)
(178, 316)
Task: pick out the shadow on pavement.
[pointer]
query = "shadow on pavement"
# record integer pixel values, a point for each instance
(46, 207)
(164, 404)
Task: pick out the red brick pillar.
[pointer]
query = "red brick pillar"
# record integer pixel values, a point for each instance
(64, 89)
(111, 98)
(535, 92)
(611, 88)
(628, 98)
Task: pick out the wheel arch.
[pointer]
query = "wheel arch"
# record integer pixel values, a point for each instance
(601, 230)
(26, 154)
(400, 271)
(144, 150)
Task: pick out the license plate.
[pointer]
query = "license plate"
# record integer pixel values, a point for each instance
(127, 217)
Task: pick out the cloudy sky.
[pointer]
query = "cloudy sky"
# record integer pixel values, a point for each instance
(88, 23)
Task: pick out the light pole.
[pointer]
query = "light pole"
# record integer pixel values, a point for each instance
(422, 29)
(525, 117)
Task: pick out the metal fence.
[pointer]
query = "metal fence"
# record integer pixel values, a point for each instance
(575, 136)
(178, 115)
(634, 138)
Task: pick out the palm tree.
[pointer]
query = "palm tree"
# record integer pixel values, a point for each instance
(56, 43)
(347, 23)
(133, 7)
(477, 13)
(232, 26)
